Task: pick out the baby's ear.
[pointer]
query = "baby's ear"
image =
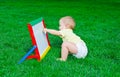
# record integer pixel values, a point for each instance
(68, 26)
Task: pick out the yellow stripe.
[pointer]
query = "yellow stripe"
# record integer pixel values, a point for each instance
(45, 52)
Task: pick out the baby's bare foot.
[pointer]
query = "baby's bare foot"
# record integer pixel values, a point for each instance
(60, 59)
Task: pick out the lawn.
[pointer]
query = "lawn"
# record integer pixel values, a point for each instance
(97, 23)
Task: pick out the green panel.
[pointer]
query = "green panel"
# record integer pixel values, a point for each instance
(36, 21)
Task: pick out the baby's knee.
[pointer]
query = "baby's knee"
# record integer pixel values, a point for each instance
(64, 44)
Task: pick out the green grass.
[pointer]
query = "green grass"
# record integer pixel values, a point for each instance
(98, 24)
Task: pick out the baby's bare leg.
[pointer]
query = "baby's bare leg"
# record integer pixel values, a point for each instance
(67, 47)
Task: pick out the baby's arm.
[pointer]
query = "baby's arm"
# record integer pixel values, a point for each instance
(51, 31)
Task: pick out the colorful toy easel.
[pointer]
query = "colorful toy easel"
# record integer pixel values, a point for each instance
(41, 44)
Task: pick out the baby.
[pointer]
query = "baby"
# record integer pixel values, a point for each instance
(72, 44)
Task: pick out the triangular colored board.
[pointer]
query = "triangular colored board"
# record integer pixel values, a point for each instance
(39, 38)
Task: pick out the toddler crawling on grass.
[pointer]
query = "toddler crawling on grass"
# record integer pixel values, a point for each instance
(71, 42)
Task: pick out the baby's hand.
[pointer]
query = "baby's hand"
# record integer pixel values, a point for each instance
(45, 30)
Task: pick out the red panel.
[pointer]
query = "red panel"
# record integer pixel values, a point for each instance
(31, 34)
(37, 54)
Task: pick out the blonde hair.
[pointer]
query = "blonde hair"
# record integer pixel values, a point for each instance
(68, 21)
